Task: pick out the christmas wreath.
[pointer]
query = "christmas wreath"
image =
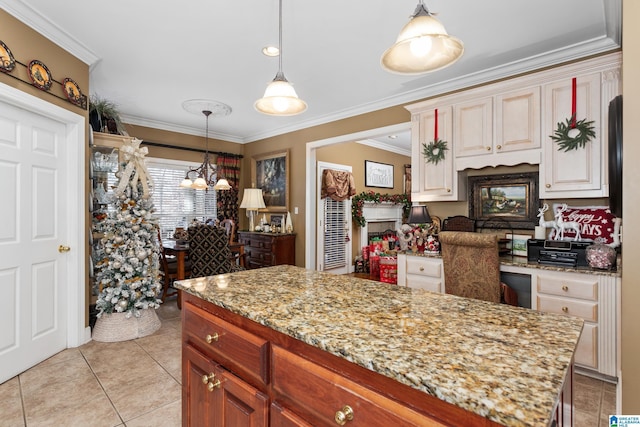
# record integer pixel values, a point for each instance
(573, 135)
(357, 203)
(434, 151)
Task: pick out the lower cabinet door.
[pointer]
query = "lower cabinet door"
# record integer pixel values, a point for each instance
(212, 396)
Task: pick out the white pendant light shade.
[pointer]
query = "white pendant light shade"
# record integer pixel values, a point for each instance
(422, 46)
(186, 183)
(280, 99)
(222, 184)
(200, 184)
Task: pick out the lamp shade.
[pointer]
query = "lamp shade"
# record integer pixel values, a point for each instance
(280, 99)
(422, 46)
(222, 184)
(419, 215)
(252, 199)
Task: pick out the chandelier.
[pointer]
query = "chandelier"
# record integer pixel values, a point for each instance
(205, 174)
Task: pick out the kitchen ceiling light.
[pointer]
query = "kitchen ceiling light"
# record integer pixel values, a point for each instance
(206, 172)
(280, 99)
(422, 46)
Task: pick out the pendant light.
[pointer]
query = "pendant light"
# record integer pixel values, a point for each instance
(206, 172)
(422, 46)
(280, 99)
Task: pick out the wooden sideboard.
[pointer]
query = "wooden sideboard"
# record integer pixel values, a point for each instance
(268, 249)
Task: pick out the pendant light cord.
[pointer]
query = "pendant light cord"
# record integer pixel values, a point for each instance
(280, 36)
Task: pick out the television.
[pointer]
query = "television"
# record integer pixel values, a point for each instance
(615, 156)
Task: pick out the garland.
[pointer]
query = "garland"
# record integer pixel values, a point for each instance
(434, 152)
(564, 137)
(357, 203)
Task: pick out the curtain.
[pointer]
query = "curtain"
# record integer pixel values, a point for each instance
(337, 185)
(229, 168)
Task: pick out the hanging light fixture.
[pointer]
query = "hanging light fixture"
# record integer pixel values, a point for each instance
(422, 46)
(280, 99)
(205, 173)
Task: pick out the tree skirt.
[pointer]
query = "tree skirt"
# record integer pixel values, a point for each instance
(116, 327)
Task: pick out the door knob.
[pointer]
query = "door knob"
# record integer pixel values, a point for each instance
(63, 248)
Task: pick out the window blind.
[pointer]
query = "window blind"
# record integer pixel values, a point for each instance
(176, 206)
(335, 235)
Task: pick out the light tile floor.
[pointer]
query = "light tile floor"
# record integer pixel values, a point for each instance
(137, 384)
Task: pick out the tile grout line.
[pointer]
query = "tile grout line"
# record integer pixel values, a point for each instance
(24, 411)
(101, 386)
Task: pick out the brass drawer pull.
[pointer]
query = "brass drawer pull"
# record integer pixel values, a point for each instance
(211, 338)
(421, 268)
(565, 288)
(206, 378)
(344, 415)
(565, 309)
(213, 385)
(208, 381)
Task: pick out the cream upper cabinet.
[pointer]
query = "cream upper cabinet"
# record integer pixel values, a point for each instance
(500, 130)
(575, 173)
(432, 181)
(473, 128)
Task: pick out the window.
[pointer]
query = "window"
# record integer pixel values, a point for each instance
(176, 206)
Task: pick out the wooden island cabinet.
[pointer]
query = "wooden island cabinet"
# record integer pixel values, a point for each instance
(288, 347)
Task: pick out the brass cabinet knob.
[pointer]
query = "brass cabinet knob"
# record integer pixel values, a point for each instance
(488, 148)
(421, 268)
(213, 385)
(344, 415)
(499, 147)
(211, 338)
(448, 190)
(565, 288)
(548, 185)
(63, 248)
(565, 309)
(206, 378)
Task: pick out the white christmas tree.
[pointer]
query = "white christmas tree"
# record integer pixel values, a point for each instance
(128, 274)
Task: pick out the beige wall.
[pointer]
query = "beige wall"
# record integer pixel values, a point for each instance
(631, 204)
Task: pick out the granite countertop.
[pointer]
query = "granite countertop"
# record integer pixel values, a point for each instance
(502, 362)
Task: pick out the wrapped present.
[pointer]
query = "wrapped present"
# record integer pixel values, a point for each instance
(374, 267)
(389, 269)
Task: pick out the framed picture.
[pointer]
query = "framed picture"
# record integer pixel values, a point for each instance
(512, 198)
(407, 179)
(378, 174)
(517, 243)
(270, 172)
(277, 220)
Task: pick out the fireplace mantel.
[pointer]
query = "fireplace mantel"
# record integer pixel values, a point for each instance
(379, 212)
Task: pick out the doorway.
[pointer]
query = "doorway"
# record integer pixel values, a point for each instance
(42, 236)
(311, 202)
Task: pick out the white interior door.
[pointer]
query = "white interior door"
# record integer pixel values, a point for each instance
(36, 214)
(334, 228)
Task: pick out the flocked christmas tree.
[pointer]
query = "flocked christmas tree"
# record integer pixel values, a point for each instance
(128, 274)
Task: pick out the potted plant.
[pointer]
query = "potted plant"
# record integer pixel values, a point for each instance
(104, 116)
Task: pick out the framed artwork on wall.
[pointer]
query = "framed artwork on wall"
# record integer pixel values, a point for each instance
(270, 172)
(511, 197)
(378, 174)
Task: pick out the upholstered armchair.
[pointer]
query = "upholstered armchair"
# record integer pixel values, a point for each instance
(209, 251)
(472, 267)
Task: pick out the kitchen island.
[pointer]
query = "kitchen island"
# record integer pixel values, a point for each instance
(300, 348)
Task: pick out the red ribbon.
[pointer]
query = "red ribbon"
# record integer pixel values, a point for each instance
(573, 103)
(435, 133)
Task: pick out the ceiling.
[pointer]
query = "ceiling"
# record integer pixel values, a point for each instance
(150, 56)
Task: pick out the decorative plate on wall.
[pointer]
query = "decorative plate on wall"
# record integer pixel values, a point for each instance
(72, 90)
(40, 75)
(7, 61)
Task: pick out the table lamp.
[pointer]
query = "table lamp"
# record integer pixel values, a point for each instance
(252, 200)
(419, 215)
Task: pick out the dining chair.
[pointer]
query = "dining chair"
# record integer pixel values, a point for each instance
(169, 269)
(471, 265)
(209, 251)
(458, 223)
(230, 226)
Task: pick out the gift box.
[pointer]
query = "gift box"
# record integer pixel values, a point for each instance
(374, 267)
(389, 269)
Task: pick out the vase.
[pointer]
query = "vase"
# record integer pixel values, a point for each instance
(115, 327)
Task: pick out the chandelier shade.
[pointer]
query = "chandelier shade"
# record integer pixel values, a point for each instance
(280, 98)
(422, 46)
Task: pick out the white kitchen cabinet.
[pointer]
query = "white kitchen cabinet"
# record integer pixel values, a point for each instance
(473, 127)
(575, 173)
(431, 181)
(421, 272)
